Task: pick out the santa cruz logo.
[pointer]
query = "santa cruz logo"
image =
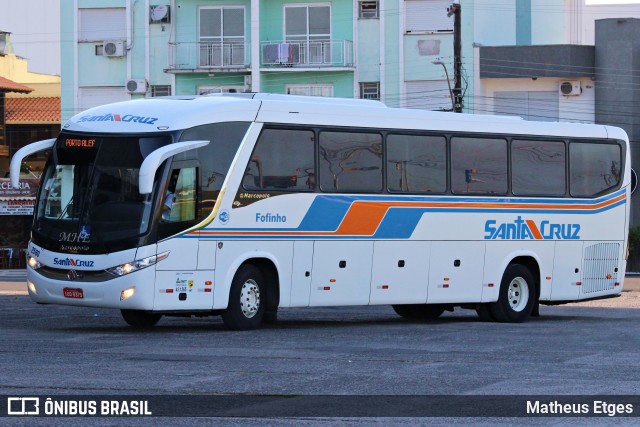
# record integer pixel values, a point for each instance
(521, 229)
(117, 118)
(70, 262)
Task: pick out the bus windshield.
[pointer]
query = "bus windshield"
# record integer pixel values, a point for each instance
(89, 192)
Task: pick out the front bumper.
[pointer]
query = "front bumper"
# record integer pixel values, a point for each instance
(96, 294)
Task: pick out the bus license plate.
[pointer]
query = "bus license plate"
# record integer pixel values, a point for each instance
(73, 293)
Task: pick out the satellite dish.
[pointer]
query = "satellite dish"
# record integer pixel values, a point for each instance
(159, 13)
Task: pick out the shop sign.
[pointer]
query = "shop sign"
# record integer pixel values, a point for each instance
(20, 200)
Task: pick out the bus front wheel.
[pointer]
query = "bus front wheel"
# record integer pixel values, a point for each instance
(246, 299)
(140, 319)
(517, 295)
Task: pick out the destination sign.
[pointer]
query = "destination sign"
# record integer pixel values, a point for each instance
(79, 143)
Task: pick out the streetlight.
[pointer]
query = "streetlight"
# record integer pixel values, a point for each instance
(438, 61)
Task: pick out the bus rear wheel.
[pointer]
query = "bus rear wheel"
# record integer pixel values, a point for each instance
(419, 311)
(517, 295)
(140, 319)
(246, 299)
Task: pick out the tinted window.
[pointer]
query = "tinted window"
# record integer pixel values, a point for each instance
(538, 168)
(282, 160)
(594, 168)
(215, 158)
(416, 164)
(350, 162)
(180, 196)
(90, 187)
(478, 165)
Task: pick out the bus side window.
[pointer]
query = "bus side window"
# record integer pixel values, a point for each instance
(283, 160)
(416, 163)
(180, 196)
(350, 162)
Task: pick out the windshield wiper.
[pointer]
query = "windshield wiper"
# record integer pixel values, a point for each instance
(64, 211)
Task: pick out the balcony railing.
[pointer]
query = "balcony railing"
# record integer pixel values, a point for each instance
(209, 55)
(217, 55)
(319, 53)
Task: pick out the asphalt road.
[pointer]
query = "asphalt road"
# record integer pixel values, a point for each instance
(57, 350)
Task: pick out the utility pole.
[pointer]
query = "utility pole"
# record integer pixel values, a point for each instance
(455, 10)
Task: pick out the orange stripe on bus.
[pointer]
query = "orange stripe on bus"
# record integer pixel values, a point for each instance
(362, 219)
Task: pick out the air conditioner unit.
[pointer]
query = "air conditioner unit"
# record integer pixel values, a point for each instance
(137, 86)
(113, 48)
(570, 88)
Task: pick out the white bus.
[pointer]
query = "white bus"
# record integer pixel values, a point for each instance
(239, 205)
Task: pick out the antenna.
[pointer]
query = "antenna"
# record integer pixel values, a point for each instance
(159, 14)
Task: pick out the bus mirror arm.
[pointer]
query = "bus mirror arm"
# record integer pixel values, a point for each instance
(153, 161)
(27, 150)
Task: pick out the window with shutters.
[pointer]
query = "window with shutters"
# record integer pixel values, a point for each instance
(368, 10)
(161, 90)
(428, 95)
(427, 16)
(102, 24)
(318, 89)
(370, 90)
(541, 106)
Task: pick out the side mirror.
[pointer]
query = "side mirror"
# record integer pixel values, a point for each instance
(27, 150)
(155, 159)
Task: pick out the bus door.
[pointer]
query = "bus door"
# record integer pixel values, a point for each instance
(301, 273)
(180, 284)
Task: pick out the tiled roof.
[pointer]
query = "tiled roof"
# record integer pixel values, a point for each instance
(7, 85)
(32, 110)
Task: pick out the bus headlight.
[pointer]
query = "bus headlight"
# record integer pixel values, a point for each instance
(139, 264)
(33, 263)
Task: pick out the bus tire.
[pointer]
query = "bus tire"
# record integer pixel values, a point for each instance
(517, 295)
(419, 311)
(246, 299)
(484, 312)
(140, 319)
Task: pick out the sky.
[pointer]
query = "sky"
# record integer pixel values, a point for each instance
(590, 2)
(35, 32)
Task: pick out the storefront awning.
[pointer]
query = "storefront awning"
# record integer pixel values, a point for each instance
(7, 85)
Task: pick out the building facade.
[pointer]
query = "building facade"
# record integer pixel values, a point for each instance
(386, 49)
(537, 59)
(559, 61)
(29, 111)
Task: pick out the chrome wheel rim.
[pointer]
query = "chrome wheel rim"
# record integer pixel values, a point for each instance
(249, 298)
(518, 294)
